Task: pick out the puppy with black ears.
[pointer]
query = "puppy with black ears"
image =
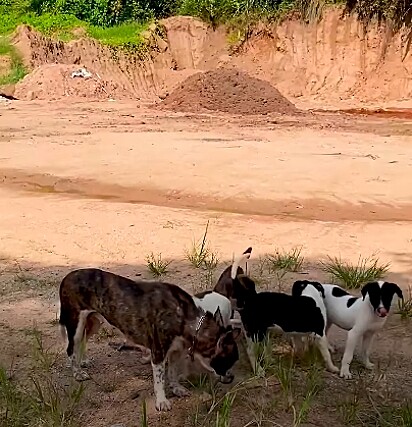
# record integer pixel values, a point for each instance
(314, 290)
(291, 314)
(361, 316)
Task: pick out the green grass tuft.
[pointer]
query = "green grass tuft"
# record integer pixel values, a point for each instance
(156, 265)
(127, 35)
(17, 69)
(355, 276)
(405, 306)
(291, 261)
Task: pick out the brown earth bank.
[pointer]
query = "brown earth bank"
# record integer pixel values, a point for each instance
(330, 63)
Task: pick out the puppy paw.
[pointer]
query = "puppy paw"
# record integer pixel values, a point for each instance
(368, 364)
(163, 405)
(86, 362)
(334, 369)
(146, 359)
(345, 373)
(80, 375)
(178, 390)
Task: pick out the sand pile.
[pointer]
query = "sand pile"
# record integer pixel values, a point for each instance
(230, 91)
(55, 81)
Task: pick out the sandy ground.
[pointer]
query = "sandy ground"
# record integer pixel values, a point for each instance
(104, 184)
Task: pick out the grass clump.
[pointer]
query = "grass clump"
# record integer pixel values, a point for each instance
(200, 255)
(291, 261)
(16, 69)
(355, 276)
(405, 306)
(156, 265)
(125, 35)
(40, 401)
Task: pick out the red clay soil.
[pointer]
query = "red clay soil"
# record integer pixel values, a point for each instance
(230, 91)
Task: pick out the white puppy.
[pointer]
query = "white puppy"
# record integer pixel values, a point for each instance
(211, 301)
(361, 316)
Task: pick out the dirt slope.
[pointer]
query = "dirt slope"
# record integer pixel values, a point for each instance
(328, 62)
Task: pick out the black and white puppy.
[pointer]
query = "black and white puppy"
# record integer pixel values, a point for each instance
(291, 314)
(314, 290)
(361, 316)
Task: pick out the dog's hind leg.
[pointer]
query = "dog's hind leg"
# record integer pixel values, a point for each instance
(331, 347)
(79, 346)
(322, 343)
(92, 327)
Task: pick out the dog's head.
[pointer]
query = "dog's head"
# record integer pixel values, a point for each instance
(244, 288)
(215, 345)
(381, 295)
(225, 284)
(299, 286)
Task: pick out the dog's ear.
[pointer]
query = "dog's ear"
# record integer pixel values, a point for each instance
(218, 317)
(367, 288)
(320, 288)
(246, 282)
(395, 289)
(298, 288)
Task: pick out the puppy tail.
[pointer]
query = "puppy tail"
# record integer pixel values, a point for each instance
(239, 260)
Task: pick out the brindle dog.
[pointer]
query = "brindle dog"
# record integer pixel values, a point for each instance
(159, 316)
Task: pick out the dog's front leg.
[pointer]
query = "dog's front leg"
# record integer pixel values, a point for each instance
(162, 404)
(351, 341)
(176, 361)
(366, 347)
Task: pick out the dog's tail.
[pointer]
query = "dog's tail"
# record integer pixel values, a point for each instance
(62, 324)
(239, 260)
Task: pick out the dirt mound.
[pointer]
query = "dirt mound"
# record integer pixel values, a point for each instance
(55, 81)
(230, 91)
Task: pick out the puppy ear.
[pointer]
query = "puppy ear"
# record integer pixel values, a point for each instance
(246, 282)
(298, 287)
(320, 288)
(366, 289)
(395, 289)
(218, 317)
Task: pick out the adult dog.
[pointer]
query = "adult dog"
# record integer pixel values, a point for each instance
(361, 316)
(159, 316)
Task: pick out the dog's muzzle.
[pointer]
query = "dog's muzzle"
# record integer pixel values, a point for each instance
(226, 379)
(381, 312)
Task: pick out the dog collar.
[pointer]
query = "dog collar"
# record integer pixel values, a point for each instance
(194, 341)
